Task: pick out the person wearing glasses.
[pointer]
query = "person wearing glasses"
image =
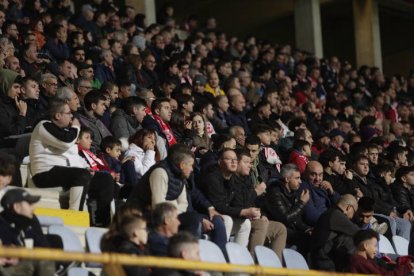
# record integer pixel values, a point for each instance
(331, 241)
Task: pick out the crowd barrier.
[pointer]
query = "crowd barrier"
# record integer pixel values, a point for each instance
(112, 262)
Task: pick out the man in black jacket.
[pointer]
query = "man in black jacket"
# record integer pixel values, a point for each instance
(249, 194)
(218, 185)
(403, 191)
(285, 202)
(20, 227)
(331, 242)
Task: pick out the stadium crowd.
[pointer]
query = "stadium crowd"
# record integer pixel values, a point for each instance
(202, 135)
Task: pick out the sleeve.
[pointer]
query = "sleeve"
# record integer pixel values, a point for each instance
(159, 186)
(199, 200)
(59, 138)
(148, 161)
(401, 197)
(119, 127)
(218, 196)
(310, 212)
(277, 210)
(182, 202)
(343, 225)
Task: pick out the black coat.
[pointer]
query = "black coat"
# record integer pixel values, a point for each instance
(331, 241)
(340, 184)
(284, 206)
(130, 248)
(403, 196)
(383, 197)
(219, 191)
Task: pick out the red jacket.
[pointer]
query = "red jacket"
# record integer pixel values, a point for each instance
(359, 264)
(299, 160)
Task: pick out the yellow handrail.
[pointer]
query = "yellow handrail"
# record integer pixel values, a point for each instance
(113, 262)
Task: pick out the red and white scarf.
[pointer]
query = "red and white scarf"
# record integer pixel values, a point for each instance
(166, 129)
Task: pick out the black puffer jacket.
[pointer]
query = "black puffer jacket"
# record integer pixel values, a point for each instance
(383, 197)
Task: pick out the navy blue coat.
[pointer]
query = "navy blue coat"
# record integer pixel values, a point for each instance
(319, 201)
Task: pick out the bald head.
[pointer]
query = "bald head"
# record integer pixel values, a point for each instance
(348, 204)
(314, 173)
(238, 103)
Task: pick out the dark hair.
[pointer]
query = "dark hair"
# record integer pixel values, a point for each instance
(93, 97)
(299, 144)
(84, 130)
(300, 133)
(178, 241)
(156, 104)
(219, 140)
(183, 99)
(129, 103)
(364, 235)
(55, 106)
(109, 142)
(261, 129)
(358, 158)
(295, 122)
(252, 140)
(178, 153)
(242, 152)
(223, 151)
(366, 204)
(7, 164)
(330, 155)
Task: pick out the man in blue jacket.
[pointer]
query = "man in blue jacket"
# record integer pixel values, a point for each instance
(322, 195)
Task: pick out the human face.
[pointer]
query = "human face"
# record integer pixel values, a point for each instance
(228, 162)
(64, 118)
(265, 138)
(13, 64)
(240, 136)
(165, 111)
(85, 141)
(114, 152)
(214, 80)
(13, 31)
(315, 174)
(209, 111)
(172, 223)
(139, 112)
(5, 180)
(362, 167)
(141, 233)
(62, 35)
(65, 69)
(365, 217)
(74, 103)
(114, 93)
(373, 154)
(192, 252)
(223, 104)
(308, 137)
(254, 151)
(99, 108)
(2, 18)
(338, 166)
(149, 99)
(198, 125)
(186, 167)
(14, 91)
(408, 178)
(371, 248)
(266, 111)
(189, 106)
(79, 55)
(24, 208)
(150, 63)
(50, 86)
(388, 178)
(239, 103)
(244, 165)
(30, 90)
(294, 181)
(87, 73)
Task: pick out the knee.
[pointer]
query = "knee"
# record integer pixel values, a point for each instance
(218, 221)
(246, 225)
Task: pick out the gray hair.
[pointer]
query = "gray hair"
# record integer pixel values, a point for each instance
(288, 169)
(64, 93)
(47, 76)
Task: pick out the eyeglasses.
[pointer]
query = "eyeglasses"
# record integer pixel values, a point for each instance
(230, 159)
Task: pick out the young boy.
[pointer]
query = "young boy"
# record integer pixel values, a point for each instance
(269, 161)
(366, 243)
(124, 169)
(300, 154)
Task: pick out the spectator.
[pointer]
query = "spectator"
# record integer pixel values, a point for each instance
(285, 203)
(236, 112)
(202, 142)
(212, 86)
(55, 161)
(403, 192)
(21, 228)
(165, 224)
(95, 107)
(239, 134)
(331, 241)
(217, 183)
(69, 96)
(366, 243)
(301, 151)
(322, 195)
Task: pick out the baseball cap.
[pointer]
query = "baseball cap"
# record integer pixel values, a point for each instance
(200, 79)
(17, 195)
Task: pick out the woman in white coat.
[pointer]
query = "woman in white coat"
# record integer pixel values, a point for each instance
(142, 146)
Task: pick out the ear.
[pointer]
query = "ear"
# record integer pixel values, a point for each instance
(93, 106)
(107, 150)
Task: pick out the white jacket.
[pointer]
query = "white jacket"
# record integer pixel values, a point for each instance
(47, 151)
(143, 160)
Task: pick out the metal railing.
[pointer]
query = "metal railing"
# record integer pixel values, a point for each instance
(113, 262)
